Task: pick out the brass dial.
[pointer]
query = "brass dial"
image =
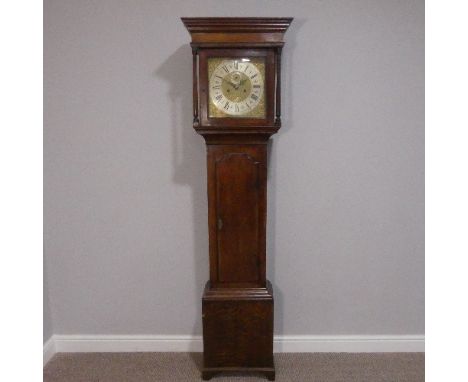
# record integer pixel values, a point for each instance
(237, 88)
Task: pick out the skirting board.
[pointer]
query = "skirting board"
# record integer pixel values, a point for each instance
(49, 350)
(187, 343)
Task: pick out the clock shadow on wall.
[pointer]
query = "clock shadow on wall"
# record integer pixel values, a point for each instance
(189, 168)
(188, 161)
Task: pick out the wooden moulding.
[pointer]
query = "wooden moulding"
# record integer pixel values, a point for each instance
(238, 331)
(239, 30)
(233, 137)
(256, 293)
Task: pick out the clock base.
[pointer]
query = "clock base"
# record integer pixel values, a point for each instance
(238, 330)
(210, 372)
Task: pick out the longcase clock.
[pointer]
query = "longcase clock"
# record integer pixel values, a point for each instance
(236, 108)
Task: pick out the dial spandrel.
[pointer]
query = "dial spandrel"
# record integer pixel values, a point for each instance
(236, 87)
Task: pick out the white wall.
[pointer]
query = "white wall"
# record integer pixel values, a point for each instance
(125, 194)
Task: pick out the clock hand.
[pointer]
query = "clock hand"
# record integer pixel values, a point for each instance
(230, 83)
(242, 82)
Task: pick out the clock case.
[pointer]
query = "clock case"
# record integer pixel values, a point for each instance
(237, 303)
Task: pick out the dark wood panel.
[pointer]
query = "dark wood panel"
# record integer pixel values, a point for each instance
(237, 209)
(237, 200)
(238, 330)
(238, 333)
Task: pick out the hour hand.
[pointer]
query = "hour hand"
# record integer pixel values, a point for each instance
(230, 83)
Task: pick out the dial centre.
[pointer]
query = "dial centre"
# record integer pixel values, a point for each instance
(236, 86)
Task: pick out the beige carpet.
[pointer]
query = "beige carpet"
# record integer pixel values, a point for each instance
(182, 367)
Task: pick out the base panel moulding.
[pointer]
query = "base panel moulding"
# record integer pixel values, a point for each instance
(209, 373)
(238, 330)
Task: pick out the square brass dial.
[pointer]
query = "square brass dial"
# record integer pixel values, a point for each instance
(236, 87)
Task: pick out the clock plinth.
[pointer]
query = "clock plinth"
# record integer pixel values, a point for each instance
(238, 330)
(236, 91)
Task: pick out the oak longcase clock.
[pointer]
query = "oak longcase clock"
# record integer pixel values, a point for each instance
(236, 108)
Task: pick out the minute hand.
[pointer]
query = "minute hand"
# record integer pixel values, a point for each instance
(230, 83)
